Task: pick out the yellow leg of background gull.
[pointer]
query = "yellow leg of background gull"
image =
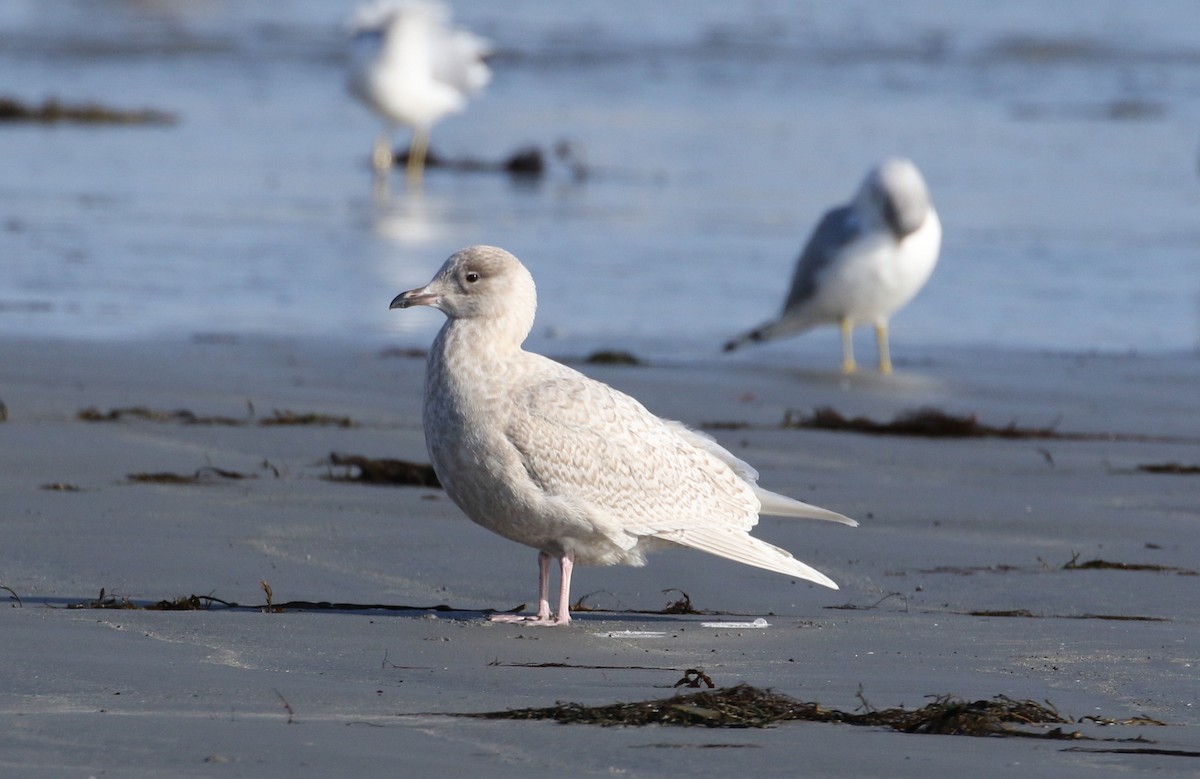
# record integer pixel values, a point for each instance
(881, 339)
(848, 365)
(382, 157)
(416, 156)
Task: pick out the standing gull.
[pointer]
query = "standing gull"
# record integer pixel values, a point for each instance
(863, 263)
(544, 456)
(412, 68)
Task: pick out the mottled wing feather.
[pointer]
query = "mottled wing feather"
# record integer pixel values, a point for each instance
(595, 446)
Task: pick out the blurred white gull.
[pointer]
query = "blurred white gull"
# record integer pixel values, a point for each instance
(864, 262)
(412, 68)
(544, 456)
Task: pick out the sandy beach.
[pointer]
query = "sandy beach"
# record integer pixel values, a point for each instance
(1050, 569)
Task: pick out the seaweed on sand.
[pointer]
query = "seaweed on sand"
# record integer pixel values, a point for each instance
(52, 111)
(744, 706)
(205, 475)
(383, 471)
(923, 422)
(277, 419)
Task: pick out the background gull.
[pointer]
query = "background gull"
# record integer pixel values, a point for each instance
(863, 263)
(547, 457)
(412, 68)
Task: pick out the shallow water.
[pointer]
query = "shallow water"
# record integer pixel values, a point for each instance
(1059, 140)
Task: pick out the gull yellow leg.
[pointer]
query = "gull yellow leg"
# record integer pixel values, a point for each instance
(381, 156)
(848, 364)
(881, 340)
(416, 156)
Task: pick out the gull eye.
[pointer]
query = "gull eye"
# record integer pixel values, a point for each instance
(471, 277)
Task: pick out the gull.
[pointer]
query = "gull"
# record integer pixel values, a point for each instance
(864, 262)
(547, 457)
(412, 68)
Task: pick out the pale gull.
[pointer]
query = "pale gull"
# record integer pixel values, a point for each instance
(864, 262)
(549, 458)
(412, 68)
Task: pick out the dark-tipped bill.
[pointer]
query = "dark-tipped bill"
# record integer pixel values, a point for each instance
(414, 297)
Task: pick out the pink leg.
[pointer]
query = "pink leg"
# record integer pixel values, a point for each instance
(543, 586)
(543, 616)
(566, 566)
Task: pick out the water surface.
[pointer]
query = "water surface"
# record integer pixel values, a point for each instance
(1059, 140)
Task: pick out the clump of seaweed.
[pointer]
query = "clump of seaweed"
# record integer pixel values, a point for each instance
(277, 419)
(1027, 614)
(526, 163)
(744, 706)
(107, 600)
(1108, 565)
(1178, 469)
(935, 423)
(923, 422)
(60, 486)
(51, 111)
(205, 475)
(383, 471)
(681, 605)
(613, 357)
(93, 414)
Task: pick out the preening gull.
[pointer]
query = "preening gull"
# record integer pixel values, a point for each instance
(547, 457)
(412, 68)
(864, 262)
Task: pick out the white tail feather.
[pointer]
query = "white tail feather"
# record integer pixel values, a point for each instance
(740, 547)
(776, 505)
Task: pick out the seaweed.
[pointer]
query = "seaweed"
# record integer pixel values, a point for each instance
(855, 607)
(694, 677)
(184, 416)
(1026, 613)
(13, 594)
(281, 418)
(682, 605)
(579, 665)
(613, 357)
(383, 471)
(93, 414)
(404, 351)
(1135, 751)
(105, 601)
(971, 570)
(1071, 565)
(1108, 565)
(1172, 468)
(923, 422)
(203, 475)
(51, 111)
(525, 162)
(194, 602)
(744, 706)
(929, 422)
(59, 486)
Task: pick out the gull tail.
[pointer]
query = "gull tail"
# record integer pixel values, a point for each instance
(739, 546)
(772, 503)
(776, 505)
(768, 331)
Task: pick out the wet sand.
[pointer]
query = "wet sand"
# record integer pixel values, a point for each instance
(951, 529)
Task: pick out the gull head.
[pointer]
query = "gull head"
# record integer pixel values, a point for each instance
(479, 283)
(894, 192)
